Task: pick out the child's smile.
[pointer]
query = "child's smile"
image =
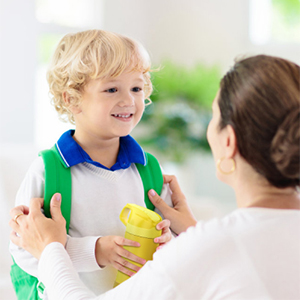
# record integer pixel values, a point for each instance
(123, 117)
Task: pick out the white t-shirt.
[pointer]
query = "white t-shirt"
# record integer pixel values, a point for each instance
(253, 253)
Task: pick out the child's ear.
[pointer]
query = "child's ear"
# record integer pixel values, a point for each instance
(74, 109)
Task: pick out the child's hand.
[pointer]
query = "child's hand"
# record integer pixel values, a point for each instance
(166, 235)
(110, 251)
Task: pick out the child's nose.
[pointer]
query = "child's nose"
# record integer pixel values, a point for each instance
(127, 100)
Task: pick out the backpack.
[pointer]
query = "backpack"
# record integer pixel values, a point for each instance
(58, 180)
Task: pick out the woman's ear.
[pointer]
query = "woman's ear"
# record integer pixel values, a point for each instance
(231, 142)
(74, 109)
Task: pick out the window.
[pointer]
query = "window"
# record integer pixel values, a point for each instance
(274, 21)
(68, 13)
(286, 20)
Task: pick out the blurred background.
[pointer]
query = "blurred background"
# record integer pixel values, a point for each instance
(193, 42)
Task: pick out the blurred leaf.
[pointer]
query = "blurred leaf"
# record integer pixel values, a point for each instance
(197, 85)
(290, 9)
(177, 119)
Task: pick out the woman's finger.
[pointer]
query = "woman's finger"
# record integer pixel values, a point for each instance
(14, 225)
(15, 222)
(55, 208)
(35, 205)
(19, 209)
(159, 203)
(177, 194)
(15, 239)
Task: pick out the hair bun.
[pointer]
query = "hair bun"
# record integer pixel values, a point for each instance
(285, 145)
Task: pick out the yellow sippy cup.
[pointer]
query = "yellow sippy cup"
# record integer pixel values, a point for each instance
(141, 227)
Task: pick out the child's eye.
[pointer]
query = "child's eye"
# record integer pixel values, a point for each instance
(112, 90)
(136, 89)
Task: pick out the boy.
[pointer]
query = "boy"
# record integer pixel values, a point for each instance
(99, 81)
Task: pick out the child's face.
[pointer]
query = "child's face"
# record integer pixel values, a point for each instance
(111, 107)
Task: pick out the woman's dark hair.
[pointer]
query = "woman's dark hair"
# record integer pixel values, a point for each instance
(260, 99)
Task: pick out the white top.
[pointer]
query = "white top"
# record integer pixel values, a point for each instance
(253, 253)
(98, 197)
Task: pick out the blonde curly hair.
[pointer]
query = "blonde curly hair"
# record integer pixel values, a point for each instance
(88, 55)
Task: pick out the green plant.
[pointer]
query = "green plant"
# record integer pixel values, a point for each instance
(177, 120)
(286, 21)
(290, 9)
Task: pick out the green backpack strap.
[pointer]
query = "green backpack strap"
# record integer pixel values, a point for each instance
(57, 180)
(152, 178)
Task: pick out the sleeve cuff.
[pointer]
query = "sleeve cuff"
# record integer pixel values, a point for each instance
(82, 253)
(59, 276)
(46, 258)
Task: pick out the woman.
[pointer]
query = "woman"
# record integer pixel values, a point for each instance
(252, 253)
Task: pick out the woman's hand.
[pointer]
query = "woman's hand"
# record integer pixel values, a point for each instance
(110, 251)
(180, 214)
(166, 235)
(32, 231)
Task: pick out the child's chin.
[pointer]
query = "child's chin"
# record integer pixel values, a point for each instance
(124, 133)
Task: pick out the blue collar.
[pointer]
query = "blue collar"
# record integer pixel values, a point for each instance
(72, 154)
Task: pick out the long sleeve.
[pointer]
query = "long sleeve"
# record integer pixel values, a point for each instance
(82, 253)
(80, 249)
(58, 274)
(63, 283)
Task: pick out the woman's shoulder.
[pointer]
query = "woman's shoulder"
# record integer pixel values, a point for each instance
(247, 221)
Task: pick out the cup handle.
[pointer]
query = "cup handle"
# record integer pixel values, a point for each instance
(124, 215)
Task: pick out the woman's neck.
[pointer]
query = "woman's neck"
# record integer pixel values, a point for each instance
(259, 193)
(254, 190)
(289, 199)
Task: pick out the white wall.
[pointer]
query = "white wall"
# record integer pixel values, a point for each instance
(214, 31)
(186, 31)
(17, 70)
